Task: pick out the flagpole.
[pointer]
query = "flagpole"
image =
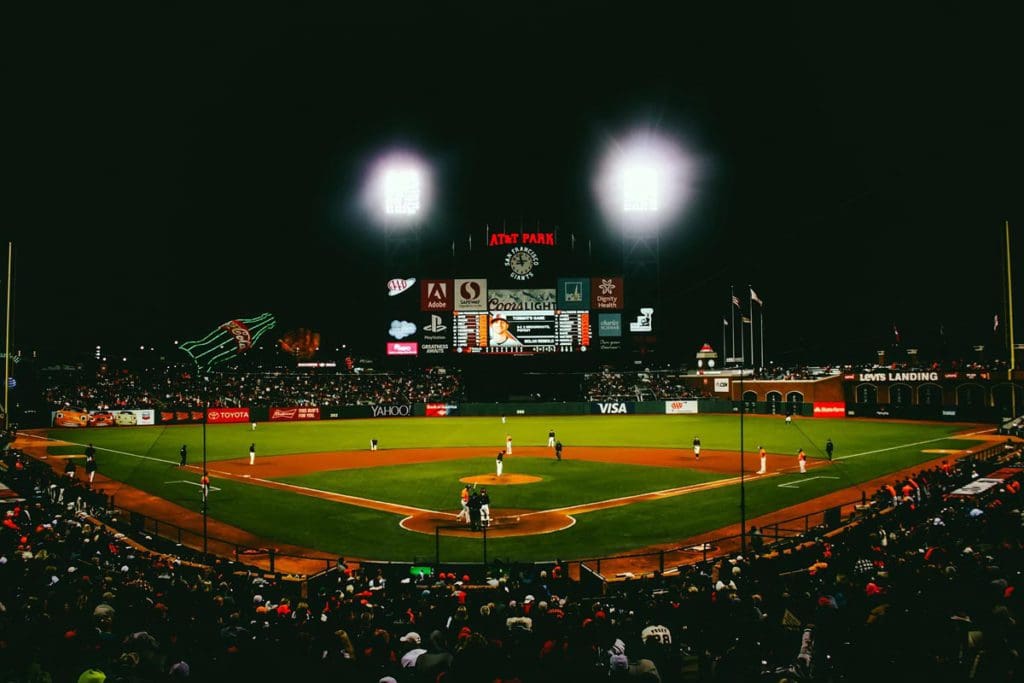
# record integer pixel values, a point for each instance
(753, 365)
(724, 347)
(1013, 351)
(7, 336)
(732, 313)
(743, 349)
(763, 366)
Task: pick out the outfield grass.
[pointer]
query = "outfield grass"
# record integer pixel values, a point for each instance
(144, 457)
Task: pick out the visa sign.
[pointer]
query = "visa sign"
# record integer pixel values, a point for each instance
(613, 408)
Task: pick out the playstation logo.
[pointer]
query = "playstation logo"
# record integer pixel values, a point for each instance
(435, 325)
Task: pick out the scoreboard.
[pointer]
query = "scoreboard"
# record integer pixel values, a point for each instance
(521, 332)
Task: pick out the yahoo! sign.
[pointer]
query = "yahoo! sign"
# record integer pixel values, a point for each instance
(404, 410)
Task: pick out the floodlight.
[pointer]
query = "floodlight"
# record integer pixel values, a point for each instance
(401, 192)
(645, 180)
(397, 189)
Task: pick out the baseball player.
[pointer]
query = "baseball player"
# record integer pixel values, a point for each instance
(252, 454)
(183, 455)
(90, 466)
(499, 462)
(829, 447)
(558, 450)
(764, 459)
(802, 459)
(485, 508)
(551, 438)
(463, 515)
(789, 419)
(508, 444)
(502, 419)
(204, 482)
(696, 447)
(373, 444)
(254, 425)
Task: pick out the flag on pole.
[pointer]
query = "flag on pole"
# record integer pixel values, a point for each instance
(233, 338)
(725, 322)
(746, 319)
(735, 301)
(896, 332)
(995, 323)
(755, 298)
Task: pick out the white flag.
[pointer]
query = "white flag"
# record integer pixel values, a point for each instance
(754, 297)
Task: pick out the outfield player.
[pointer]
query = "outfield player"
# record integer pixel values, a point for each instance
(551, 438)
(802, 459)
(789, 419)
(252, 454)
(764, 459)
(696, 447)
(508, 444)
(499, 462)
(254, 425)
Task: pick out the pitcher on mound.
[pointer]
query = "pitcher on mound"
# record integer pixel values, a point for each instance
(499, 462)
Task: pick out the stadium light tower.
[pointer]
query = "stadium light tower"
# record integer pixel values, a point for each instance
(397, 198)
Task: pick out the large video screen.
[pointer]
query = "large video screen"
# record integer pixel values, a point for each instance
(521, 332)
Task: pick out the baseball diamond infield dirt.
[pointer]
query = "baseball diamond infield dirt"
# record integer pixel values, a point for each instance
(505, 522)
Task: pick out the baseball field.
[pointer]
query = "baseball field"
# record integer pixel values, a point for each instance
(624, 483)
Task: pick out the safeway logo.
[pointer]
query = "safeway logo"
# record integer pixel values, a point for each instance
(612, 408)
(830, 409)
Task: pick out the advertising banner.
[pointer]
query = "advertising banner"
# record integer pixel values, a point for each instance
(226, 415)
(722, 385)
(403, 348)
(609, 324)
(573, 293)
(441, 409)
(606, 294)
(470, 294)
(613, 408)
(296, 413)
(436, 295)
(402, 410)
(521, 299)
(829, 409)
(103, 418)
(680, 407)
(181, 416)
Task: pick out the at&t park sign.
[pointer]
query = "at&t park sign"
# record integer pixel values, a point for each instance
(502, 239)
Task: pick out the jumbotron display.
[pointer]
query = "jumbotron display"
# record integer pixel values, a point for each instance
(522, 332)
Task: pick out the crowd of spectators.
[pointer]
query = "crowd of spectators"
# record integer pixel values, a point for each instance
(924, 588)
(178, 386)
(645, 385)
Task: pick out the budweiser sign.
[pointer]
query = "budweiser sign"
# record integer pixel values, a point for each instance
(296, 413)
(223, 415)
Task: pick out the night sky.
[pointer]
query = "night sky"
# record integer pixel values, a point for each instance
(167, 171)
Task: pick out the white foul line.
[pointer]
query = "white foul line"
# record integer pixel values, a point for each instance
(796, 482)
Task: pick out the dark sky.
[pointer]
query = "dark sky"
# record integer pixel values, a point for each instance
(165, 171)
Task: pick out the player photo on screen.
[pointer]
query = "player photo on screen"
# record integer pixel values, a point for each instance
(499, 332)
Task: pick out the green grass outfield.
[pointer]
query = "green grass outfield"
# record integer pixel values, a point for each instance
(144, 457)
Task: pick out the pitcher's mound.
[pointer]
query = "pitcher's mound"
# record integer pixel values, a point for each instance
(503, 480)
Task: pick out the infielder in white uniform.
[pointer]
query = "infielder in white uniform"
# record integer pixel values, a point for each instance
(252, 454)
(508, 444)
(499, 462)
(551, 438)
(485, 508)
(764, 459)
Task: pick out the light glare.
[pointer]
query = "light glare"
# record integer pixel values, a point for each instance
(401, 192)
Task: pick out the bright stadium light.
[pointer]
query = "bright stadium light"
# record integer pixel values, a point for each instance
(645, 181)
(397, 189)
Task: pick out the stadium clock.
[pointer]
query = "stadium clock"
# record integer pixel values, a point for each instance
(521, 261)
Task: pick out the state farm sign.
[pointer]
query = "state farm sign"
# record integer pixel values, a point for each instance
(223, 415)
(296, 413)
(829, 409)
